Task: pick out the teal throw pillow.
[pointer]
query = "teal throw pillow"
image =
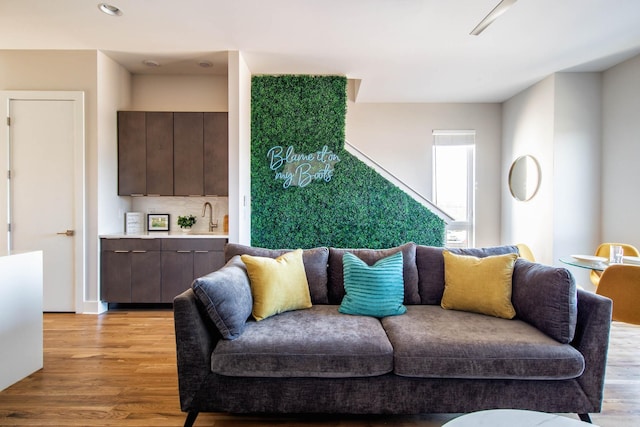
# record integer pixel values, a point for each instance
(376, 290)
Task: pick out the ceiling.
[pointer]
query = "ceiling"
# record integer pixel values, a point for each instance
(398, 50)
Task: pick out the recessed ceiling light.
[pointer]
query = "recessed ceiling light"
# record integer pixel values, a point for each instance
(109, 9)
(205, 64)
(151, 63)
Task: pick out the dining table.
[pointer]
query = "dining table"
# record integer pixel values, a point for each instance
(597, 263)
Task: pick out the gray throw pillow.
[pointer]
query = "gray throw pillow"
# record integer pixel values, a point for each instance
(226, 296)
(546, 297)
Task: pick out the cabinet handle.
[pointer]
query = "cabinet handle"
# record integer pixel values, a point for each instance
(137, 194)
(139, 252)
(184, 252)
(121, 252)
(202, 252)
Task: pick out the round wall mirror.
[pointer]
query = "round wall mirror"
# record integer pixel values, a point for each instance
(524, 178)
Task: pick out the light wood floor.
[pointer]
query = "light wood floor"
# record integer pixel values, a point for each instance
(119, 369)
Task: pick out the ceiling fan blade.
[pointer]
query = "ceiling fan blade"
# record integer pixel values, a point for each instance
(492, 16)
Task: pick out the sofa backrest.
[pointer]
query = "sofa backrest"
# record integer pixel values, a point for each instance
(315, 265)
(430, 265)
(370, 256)
(423, 268)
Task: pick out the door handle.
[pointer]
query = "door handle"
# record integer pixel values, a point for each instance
(68, 233)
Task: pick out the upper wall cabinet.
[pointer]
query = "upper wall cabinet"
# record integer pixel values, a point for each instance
(188, 153)
(216, 154)
(159, 132)
(167, 154)
(132, 153)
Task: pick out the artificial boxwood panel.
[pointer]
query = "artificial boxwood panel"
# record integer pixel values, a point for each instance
(355, 208)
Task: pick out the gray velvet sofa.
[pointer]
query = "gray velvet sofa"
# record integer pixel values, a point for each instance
(551, 357)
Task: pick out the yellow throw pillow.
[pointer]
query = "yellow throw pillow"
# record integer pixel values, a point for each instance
(277, 285)
(480, 285)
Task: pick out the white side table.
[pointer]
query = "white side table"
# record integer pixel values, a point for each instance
(20, 316)
(513, 417)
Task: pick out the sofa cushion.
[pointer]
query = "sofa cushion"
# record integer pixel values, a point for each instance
(480, 285)
(430, 266)
(226, 296)
(370, 256)
(315, 265)
(458, 344)
(318, 342)
(546, 297)
(376, 290)
(277, 285)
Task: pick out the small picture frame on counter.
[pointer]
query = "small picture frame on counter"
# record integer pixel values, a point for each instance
(134, 223)
(158, 222)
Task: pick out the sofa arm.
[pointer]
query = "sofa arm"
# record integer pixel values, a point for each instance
(592, 340)
(196, 337)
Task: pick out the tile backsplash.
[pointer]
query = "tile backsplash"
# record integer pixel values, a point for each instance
(180, 206)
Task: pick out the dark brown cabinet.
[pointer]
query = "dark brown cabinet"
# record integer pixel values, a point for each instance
(132, 153)
(188, 149)
(115, 276)
(159, 137)
(145, 153)
(130, 270)
(216, 154)
(206, 261)
(139, 270)
(184, 260)
(167, 154)
(145, 276)
(177, 273)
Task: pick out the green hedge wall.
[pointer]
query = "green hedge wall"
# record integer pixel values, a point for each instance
(355, 208)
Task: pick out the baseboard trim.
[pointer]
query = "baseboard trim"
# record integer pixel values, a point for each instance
(94, 307)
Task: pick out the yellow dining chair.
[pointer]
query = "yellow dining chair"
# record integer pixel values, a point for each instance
(603, 251)
(621, 283)
(525, 252)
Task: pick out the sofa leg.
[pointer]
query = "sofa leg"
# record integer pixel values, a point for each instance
(585, 417)
(191, 418)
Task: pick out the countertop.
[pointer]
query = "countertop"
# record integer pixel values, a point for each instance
(166, 235)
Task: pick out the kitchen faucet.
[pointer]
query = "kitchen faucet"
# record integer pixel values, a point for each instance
(212, 225)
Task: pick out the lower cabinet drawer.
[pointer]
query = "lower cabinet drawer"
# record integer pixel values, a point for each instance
(193, 244)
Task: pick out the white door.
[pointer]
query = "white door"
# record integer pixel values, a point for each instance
(43, 194)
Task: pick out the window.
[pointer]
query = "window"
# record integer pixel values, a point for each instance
(454, 183)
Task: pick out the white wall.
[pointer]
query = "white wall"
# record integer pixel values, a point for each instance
(75, 70)
(621, 153)
(114, 93)
(239, 149)
(399, 137)
(179, 93)
(557, 121)
(527, 128)
(576, 174)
